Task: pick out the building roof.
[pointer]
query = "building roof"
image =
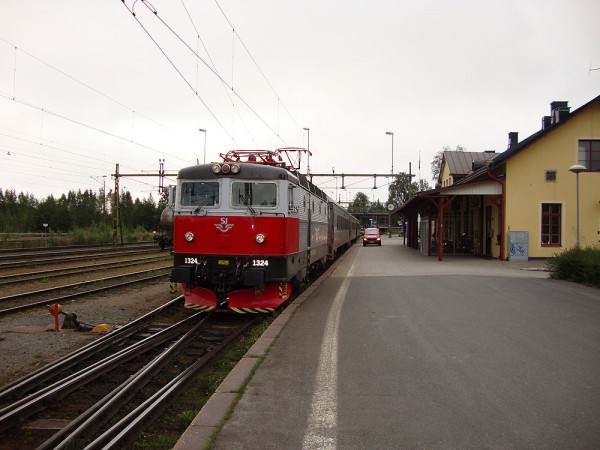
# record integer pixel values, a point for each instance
(461, 163)
(479, 175)
(520, 146)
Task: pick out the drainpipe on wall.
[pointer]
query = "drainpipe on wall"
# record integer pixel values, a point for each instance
(502, 210)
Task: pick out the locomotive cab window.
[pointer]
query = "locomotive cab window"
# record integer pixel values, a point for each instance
(195, 193)
(254, 194)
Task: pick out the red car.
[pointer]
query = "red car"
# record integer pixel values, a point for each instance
(372, 236)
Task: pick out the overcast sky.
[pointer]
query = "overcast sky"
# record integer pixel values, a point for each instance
(83, 85)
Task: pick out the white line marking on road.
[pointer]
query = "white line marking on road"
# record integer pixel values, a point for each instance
(321, 427)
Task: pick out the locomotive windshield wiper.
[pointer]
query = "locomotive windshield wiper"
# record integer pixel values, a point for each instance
(202, 203)
(247, 203)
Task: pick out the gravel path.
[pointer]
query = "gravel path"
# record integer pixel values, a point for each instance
(28, 340)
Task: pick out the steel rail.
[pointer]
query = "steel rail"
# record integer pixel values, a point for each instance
(38, 401)
(88, 423)
(126, 431)
(43, 251)
(77, 294)
(73, 285)
(32, 276)
(70, 247)
(59, 258)
(29, 382)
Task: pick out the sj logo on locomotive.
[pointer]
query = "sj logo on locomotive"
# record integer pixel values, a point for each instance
(224, 226)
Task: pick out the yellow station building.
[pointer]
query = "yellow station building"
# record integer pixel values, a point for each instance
(521, 203)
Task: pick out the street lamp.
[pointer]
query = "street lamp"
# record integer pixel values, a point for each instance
(202, 130)
(577, 169)
(308, 157)
(392, 134)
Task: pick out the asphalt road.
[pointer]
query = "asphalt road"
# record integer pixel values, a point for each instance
(396, 350)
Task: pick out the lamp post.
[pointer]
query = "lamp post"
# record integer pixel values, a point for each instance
(392, 134)
(577, 169)
(308, 157)
(202, 130)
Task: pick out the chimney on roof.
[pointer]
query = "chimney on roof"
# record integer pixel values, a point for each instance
(513, 139)
(546, 122)
(558, 111)
(476, 165)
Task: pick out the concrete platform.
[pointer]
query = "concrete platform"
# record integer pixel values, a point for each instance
(391, 349)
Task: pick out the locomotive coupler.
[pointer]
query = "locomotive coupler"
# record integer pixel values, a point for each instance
(223, 301)
(221, 293)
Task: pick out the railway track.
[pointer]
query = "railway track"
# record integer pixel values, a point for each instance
(58, 408)
(132, 373)
(87, 268)
(57, 258)
(32, 299)
(81, 248)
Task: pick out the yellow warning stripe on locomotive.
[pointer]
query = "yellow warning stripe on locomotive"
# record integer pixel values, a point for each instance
(252, 310)
(283, 290)
(199, 307)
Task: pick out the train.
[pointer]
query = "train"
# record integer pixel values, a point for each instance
(248, 230)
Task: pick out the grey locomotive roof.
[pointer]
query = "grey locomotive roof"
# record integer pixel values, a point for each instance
(247, 171)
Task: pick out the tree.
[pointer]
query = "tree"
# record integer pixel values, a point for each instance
(126, 205)
(377, 206)
(424, 185)
(402, 189)
(436, 164)
(17, 212)
(144, 214)
(360, 203)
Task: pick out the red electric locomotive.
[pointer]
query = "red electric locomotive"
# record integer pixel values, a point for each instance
(245, 230)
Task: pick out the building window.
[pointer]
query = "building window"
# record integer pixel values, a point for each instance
(550, 175)
(551, 219)
(589, 154)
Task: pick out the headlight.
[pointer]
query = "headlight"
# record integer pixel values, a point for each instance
(189, 236)
(260, 238)
(226, 168)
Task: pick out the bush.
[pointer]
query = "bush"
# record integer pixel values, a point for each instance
(577, 264)
(94, 234)
(138, 234)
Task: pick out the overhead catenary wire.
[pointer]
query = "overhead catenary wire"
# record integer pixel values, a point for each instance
(91, 127)
(215, 68)
(250, 108)
(175, 66)
(257, 66)
(10, 149)
(50, 164)
(71, 77)
(40, 140)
